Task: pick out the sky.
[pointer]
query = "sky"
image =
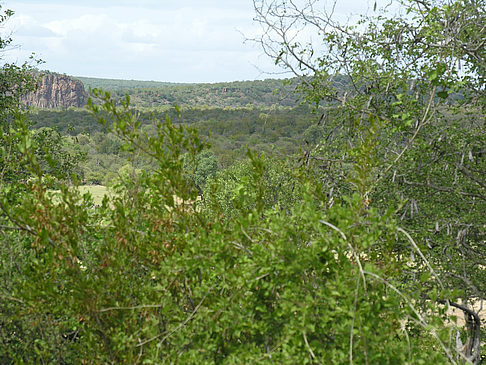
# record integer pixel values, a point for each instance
(160, 40)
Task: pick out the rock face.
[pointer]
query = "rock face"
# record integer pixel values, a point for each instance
(57, 91)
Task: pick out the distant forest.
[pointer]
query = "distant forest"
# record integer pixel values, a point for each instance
(151, 94)
(261, 115)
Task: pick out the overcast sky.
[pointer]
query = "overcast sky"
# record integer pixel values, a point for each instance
(163, 40)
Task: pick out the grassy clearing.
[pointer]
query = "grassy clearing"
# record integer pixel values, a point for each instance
(98, 192)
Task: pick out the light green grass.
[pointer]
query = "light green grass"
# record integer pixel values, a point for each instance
(98, 192)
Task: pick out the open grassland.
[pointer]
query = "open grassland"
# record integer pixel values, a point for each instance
(98, 192)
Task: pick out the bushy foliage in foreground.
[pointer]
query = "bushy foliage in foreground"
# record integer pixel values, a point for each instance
(315, 266)
(147, 278)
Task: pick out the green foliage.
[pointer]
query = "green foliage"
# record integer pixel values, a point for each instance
(413, 75)
(58, 157)
(203, 167)
(239, 94)
(15, 81)
(256, 182)
(228, 131)
(147, 278)
(324, 261)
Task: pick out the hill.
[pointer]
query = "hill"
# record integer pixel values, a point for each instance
(151, 94)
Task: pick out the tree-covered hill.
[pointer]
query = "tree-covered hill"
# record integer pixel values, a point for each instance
(262, 93)
(119, 84)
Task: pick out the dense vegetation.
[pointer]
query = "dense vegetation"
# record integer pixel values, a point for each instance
(266, 93)
(276, 131)
(355, 250)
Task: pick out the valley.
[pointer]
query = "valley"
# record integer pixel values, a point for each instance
(261, 115)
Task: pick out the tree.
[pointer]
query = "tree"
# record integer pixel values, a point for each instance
(413, 75)
(233, 191)
(200, 170)
(15, 82)
(18, 150)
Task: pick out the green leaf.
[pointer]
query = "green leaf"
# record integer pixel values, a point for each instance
(443, 94)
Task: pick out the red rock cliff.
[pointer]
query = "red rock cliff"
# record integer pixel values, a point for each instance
(57, 91)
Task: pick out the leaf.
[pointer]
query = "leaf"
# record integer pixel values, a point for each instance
(443, 94)
(425, 277)
(178, 110)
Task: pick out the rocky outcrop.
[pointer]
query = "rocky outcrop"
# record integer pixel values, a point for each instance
(57, 91)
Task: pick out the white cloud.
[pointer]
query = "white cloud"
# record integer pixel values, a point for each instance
(170, 40)
(87, 24)
(27, 26)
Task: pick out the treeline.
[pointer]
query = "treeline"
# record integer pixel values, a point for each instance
(151, 94)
